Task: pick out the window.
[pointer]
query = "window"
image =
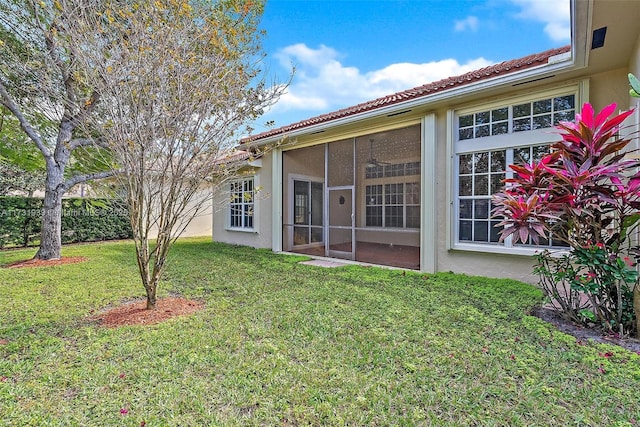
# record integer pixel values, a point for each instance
(391, 202)
(480, 176)
(540, 114)
(394, 205)
(241, 209)
(487, 141)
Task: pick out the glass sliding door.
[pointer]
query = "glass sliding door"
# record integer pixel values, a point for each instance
(303, 216)
(307, 213)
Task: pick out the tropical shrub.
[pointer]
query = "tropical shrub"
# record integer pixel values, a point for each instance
(585, 192)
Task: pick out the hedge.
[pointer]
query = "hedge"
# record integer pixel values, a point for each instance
(83, 220)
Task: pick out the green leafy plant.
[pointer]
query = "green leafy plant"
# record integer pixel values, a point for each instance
(586, 192)
(635, 86)
(83, 220)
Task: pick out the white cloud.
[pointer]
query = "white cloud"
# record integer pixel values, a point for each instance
(322, 83)
(470, 23)
(554, 13)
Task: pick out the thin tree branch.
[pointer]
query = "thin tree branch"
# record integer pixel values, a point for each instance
(86, 142)
(88, 177)
(8, 102)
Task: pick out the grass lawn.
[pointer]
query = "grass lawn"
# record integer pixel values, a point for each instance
(284, 344)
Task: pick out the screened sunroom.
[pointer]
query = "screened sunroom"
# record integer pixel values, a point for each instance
(356, 199)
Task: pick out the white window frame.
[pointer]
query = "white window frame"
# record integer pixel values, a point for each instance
(506, 142)
(254, 202)
(404, 202)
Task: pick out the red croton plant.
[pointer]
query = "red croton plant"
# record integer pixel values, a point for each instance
(585, 192)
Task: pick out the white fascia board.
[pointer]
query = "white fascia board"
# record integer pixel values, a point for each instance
(560, 64)
(581, 23)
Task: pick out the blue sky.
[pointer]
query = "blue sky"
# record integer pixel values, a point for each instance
(349, 51)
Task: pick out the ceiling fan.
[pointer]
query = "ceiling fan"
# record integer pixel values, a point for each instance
(372, 161)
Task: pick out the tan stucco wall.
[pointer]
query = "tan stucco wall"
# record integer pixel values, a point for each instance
(634, 67)
(604, 88)
(261, 237)
(202, 224)
(634, 60)
(612, 86)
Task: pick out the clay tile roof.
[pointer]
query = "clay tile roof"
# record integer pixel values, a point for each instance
(491, 71)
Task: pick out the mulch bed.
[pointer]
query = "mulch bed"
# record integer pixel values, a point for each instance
(584, 334)
(47, 263)
(135, 313)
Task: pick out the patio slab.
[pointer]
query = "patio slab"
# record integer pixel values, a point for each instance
(323, 263)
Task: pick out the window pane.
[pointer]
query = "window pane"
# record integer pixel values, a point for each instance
(393, 194)
(539, 152)
(522, 110)
(413, 217)
(412, 168)
(482, 131)
(498, 161)
(541, 107)
(481, 231)
(482, 118)
(316, 235)
(393, 216)
(248, 216)
(300, 236)
(301, 202)
(465, 230)
(521, 125)
(499, 128)
(465, 209)
(564, 103)
(541, 122)
(466, 165)
(464, 121)
(481, 162)
(235, 220)
(317, 195)
(522, 156)
(465, 134)
(560, 243)
(374, 216)
(465, 186)
(496, 182)
(481, 187)
(412, 193)
(481, 209)
(394, 170)
(500, 114)
(374, 195)
(563, 116)
(374, 171)
(494, 232)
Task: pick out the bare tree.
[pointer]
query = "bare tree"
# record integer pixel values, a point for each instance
(39, 86)
(177, 80)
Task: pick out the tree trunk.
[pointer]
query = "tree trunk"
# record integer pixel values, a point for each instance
(50, 238)
(151, 296)
(149, 282)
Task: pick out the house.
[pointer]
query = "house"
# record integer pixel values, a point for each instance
(406, 180)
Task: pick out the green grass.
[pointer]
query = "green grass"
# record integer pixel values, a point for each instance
(280, 343)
